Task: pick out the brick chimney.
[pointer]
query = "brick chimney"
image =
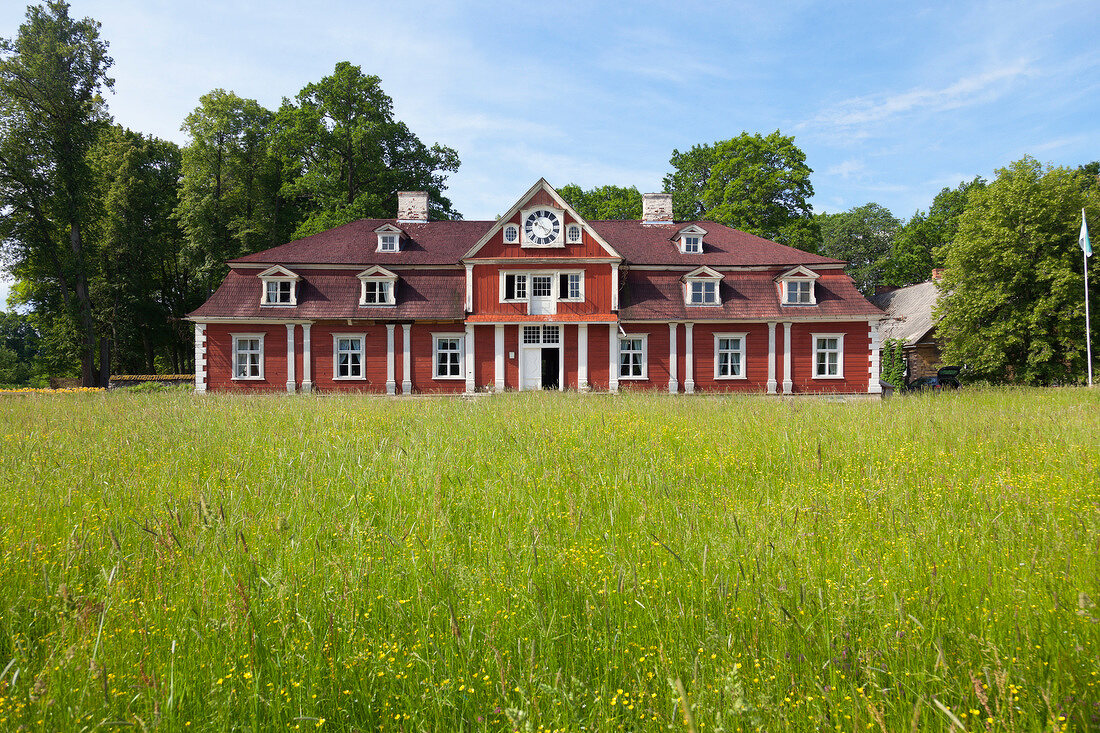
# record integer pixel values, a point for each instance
(656, 208)
(937, 274)
(412, 207)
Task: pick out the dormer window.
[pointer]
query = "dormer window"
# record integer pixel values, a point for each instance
(701, 287)
(377, 287)
(796, 287)
(389, 238)
(279, 286)
(573, 234)
(511, 234)
(691, 239)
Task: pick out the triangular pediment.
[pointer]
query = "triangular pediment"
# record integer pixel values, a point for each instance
(703, 272)
(524, 200)
(799, 273)
(389, 229)
(691, 230)
(279, 271)
(378, 272)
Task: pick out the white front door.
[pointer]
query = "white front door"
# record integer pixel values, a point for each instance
(531, 368)
(542, 295)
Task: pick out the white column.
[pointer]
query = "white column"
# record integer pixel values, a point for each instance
(673, 386)
(498, 382)
(771, 358)
(787, 383)
(200, 357)
(689, 359)
(307, 359)
(874, 385)
(615, 287)
(470, 386)
(406, 358)
(469, 288)
(291, 382)
(613, 358)
(582, 357)
(391, 385)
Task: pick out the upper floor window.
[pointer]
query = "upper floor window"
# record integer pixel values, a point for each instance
(377, 287)
(389, 238)
(573, 234)
(248, 356)
(691, 239)
(701, 287)
(511, 233)
(828, 355)
(571, 286)
(280, 286)
(515, 286)
(693, 244)
(521, 286)
(796, 286)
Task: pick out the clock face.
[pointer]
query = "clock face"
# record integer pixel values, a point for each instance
(542, 227)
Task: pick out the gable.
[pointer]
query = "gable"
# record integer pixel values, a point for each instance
(492, 244)
(798, 273)
(702, 273)
(278, 271)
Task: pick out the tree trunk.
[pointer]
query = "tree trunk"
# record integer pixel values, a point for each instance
(88, 376)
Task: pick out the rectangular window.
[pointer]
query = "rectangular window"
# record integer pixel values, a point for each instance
(704, 292)
(542, 286)
(376, 292)
(279, 292)
(729, 356)
(531, 334)
(348, 357)
(387, 242)
(632, 361)
(693, 244)
(569, 286)
(248, 355)
(515, 287)
(551, 334)
(448, 356)
(798, 291)
(828, 356)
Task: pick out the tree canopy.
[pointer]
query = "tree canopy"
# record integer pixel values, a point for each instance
(864, 236)
(1012, 307)
(604, 202)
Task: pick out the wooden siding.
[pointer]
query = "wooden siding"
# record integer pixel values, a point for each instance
(587, 247)
(597, 289)
(755, 359)
(219, 358)
(857, 347)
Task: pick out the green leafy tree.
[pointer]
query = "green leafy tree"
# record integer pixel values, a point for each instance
(51, 112)
(604, 202)
(345, 157)
(864, 236)
(229, 199)
(1012, 307)
(688, 180)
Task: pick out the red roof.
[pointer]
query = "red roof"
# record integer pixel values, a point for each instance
(335, 294)
(659, 296)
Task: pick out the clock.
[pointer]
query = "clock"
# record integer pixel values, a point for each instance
(542, 227)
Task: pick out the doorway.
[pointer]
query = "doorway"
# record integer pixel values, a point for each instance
(550, 362)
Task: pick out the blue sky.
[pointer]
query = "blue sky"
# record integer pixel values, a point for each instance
(890, 101)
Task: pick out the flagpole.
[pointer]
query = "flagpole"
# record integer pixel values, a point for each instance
(1088, 330)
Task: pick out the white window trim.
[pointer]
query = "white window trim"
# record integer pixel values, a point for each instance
(564, 297)
(236, 337)
(744, 355)
(461, 355)
(389, 230)
(839, 358)
(645, 356)
(555, 285)
(527, 289)
(504, 234)
(556, 243)
(580, 233)
(391, 292)
(783, 291)
(684, 244)
(717, 292)
(362, 356)
(693, 230)
(293, 292)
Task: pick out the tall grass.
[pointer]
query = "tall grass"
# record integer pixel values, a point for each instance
(550, 562)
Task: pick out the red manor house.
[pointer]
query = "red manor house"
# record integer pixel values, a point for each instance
(539, 299)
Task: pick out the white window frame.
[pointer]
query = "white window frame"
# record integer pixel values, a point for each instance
(569, 230)
(388, 230)
(742, 352)
(546, 274)
(267, 281)
(237, 337)
(336, 356)
(644, 337)
(799, 281)
(690, 288)
(461, 338)
(565, 297)
(688, 248)
(389, 242)
(526, 286)
(839, 354)
(515, 232)
(391, 298)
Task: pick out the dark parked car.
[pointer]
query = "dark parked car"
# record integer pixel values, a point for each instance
(946, 378)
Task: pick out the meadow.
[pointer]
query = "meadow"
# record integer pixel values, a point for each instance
(535, 562)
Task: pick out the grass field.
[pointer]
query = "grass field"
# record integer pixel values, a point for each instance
(538, 562)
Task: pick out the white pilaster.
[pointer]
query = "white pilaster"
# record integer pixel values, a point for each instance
(406, 358)
(615, 287)
(391, 385)
(200, 357)
(673, 385)
(689, 358)
(874, 385)
(469, 288)
(498, 345)
(307, 359)
(771, 358)
(787, 383)
(613, 358)
(582, 357)
(470, 386)
(291, 381)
